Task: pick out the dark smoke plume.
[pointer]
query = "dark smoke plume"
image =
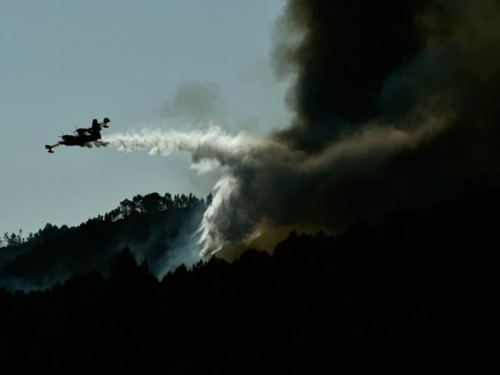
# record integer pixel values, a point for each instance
(341, 52)
(395, 103)
(397, 64)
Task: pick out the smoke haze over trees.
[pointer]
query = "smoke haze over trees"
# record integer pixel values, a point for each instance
(160, 230)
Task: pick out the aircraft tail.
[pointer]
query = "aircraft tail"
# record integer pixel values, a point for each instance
(95, 130)
(49, 149)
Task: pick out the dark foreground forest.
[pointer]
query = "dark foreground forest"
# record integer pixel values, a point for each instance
(413, 294)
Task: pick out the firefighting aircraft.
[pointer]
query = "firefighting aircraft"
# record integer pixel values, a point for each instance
(83, 136)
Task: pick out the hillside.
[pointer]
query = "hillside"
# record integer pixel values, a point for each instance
(411, 295)
(153, 226)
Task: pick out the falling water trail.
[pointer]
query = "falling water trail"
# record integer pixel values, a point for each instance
(210, 150)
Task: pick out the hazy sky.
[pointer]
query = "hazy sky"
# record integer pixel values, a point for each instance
(139, 63)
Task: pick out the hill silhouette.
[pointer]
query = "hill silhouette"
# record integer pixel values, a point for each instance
(413, 294)
(154, 226)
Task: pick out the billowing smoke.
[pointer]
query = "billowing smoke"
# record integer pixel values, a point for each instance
(395, 103)
(359, 61)
(267, 184)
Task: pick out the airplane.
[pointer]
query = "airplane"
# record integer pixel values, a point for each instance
(83, 135)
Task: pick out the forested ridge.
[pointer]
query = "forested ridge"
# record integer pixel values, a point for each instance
(152, 225)
(413, 294)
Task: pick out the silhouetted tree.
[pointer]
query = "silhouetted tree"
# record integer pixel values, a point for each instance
(152, 203)
(137, 200)
(127, 207)
(13, 239)
(168, 203)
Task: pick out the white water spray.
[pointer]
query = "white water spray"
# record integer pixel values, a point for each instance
(210, 150)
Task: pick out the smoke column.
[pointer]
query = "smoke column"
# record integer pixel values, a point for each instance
(265, 182)
(395, 103)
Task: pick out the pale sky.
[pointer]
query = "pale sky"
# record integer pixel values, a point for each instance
(63, 63)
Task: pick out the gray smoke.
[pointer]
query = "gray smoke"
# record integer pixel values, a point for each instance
(266, 184)
(195, 100)
(395, 106)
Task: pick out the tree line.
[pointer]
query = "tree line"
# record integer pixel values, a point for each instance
(139, 204)
(153, 225)
(155, 202)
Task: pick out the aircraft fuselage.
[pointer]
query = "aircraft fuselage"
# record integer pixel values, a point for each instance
(80, 140)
